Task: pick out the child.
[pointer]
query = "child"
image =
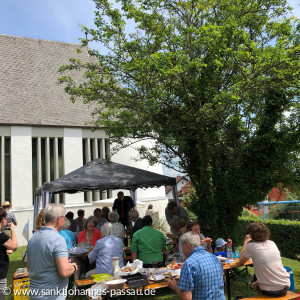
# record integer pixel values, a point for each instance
(220, 246)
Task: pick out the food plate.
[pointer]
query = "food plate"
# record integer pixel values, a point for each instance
(170, 273)
(174, 265)
(221, 258)
(136, 266)
(157, 277)
(78, 251)
(100, 277)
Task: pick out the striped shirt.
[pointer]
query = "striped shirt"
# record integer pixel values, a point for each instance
(202, 273)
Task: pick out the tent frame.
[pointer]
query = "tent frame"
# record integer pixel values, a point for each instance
(44, 195)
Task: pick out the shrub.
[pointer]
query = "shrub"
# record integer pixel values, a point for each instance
(284, 233)
(161, 225)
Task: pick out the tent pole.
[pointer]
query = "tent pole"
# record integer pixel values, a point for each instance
(36, 203)
(175, 194)
(133, 196)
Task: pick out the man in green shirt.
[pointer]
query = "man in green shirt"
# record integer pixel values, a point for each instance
(149, 244)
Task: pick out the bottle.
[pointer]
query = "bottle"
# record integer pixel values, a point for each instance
(116, 267)
(129, 241)
(229, 249)
(125, 240)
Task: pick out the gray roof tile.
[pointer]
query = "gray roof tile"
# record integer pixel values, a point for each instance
(29, 93)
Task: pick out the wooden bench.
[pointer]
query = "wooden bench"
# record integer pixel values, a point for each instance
(84, 282)
(288, 296)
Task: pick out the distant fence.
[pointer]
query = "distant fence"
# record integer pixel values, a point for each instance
(276, 202)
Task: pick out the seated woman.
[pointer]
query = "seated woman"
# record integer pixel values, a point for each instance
(220, 246)
(193, 225)
(272, 279)
(68, 235)
(40, 220)
(105, 249)
(149, 244)
(90, 234)
(118, 228)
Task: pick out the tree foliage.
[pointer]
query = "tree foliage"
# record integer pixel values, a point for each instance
(210, 83)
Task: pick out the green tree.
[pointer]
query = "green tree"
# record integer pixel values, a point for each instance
(208, 82)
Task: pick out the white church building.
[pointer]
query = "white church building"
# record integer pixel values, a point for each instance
(43, 135)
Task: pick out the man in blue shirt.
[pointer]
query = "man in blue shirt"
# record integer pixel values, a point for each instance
(48, 263)
(105, 249)
(201, 275)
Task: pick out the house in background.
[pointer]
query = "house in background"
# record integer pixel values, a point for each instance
(183, 187)
(43, 135)
(276, 194)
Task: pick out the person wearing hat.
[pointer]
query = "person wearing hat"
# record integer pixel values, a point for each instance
(220, 245)
(10, 217)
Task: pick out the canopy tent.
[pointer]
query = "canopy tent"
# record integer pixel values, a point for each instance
(99, 174)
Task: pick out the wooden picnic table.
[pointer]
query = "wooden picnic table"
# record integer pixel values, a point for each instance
(162, 284)
(232, 267)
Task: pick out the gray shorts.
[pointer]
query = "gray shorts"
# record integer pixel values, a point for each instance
(3, 285)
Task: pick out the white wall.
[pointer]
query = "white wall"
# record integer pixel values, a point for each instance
(126, 156)
(21, 166)
(24, 215)
(21, 175)
(73, 159)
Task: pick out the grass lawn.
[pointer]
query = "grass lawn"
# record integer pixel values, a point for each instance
(237, 288)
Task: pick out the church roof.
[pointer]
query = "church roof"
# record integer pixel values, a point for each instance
(29, 92)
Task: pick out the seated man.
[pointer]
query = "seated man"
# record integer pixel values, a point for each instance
(134, 215)
(149, 244)
(118, 228)
(201, 274)
(105, 249)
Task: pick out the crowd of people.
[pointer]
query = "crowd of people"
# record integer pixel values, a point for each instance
(104, 233)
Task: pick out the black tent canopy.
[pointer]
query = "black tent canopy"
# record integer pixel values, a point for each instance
(99, 174)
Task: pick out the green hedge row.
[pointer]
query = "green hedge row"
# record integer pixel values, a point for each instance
(285, 233)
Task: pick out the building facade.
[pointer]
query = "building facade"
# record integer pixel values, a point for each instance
(43, 135)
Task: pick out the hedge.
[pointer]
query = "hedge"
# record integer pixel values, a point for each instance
(285, 233)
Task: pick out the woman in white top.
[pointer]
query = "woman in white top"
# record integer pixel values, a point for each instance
(150, 212)
(118, 228)
(272, 278)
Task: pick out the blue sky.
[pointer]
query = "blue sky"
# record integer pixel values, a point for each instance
(56, 20)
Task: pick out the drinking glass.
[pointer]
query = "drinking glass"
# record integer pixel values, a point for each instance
(236, 252)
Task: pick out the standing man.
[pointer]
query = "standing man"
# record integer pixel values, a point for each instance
(201, 274)
(7, 246)
(173, 211)
(123, 205)
(48, 263)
